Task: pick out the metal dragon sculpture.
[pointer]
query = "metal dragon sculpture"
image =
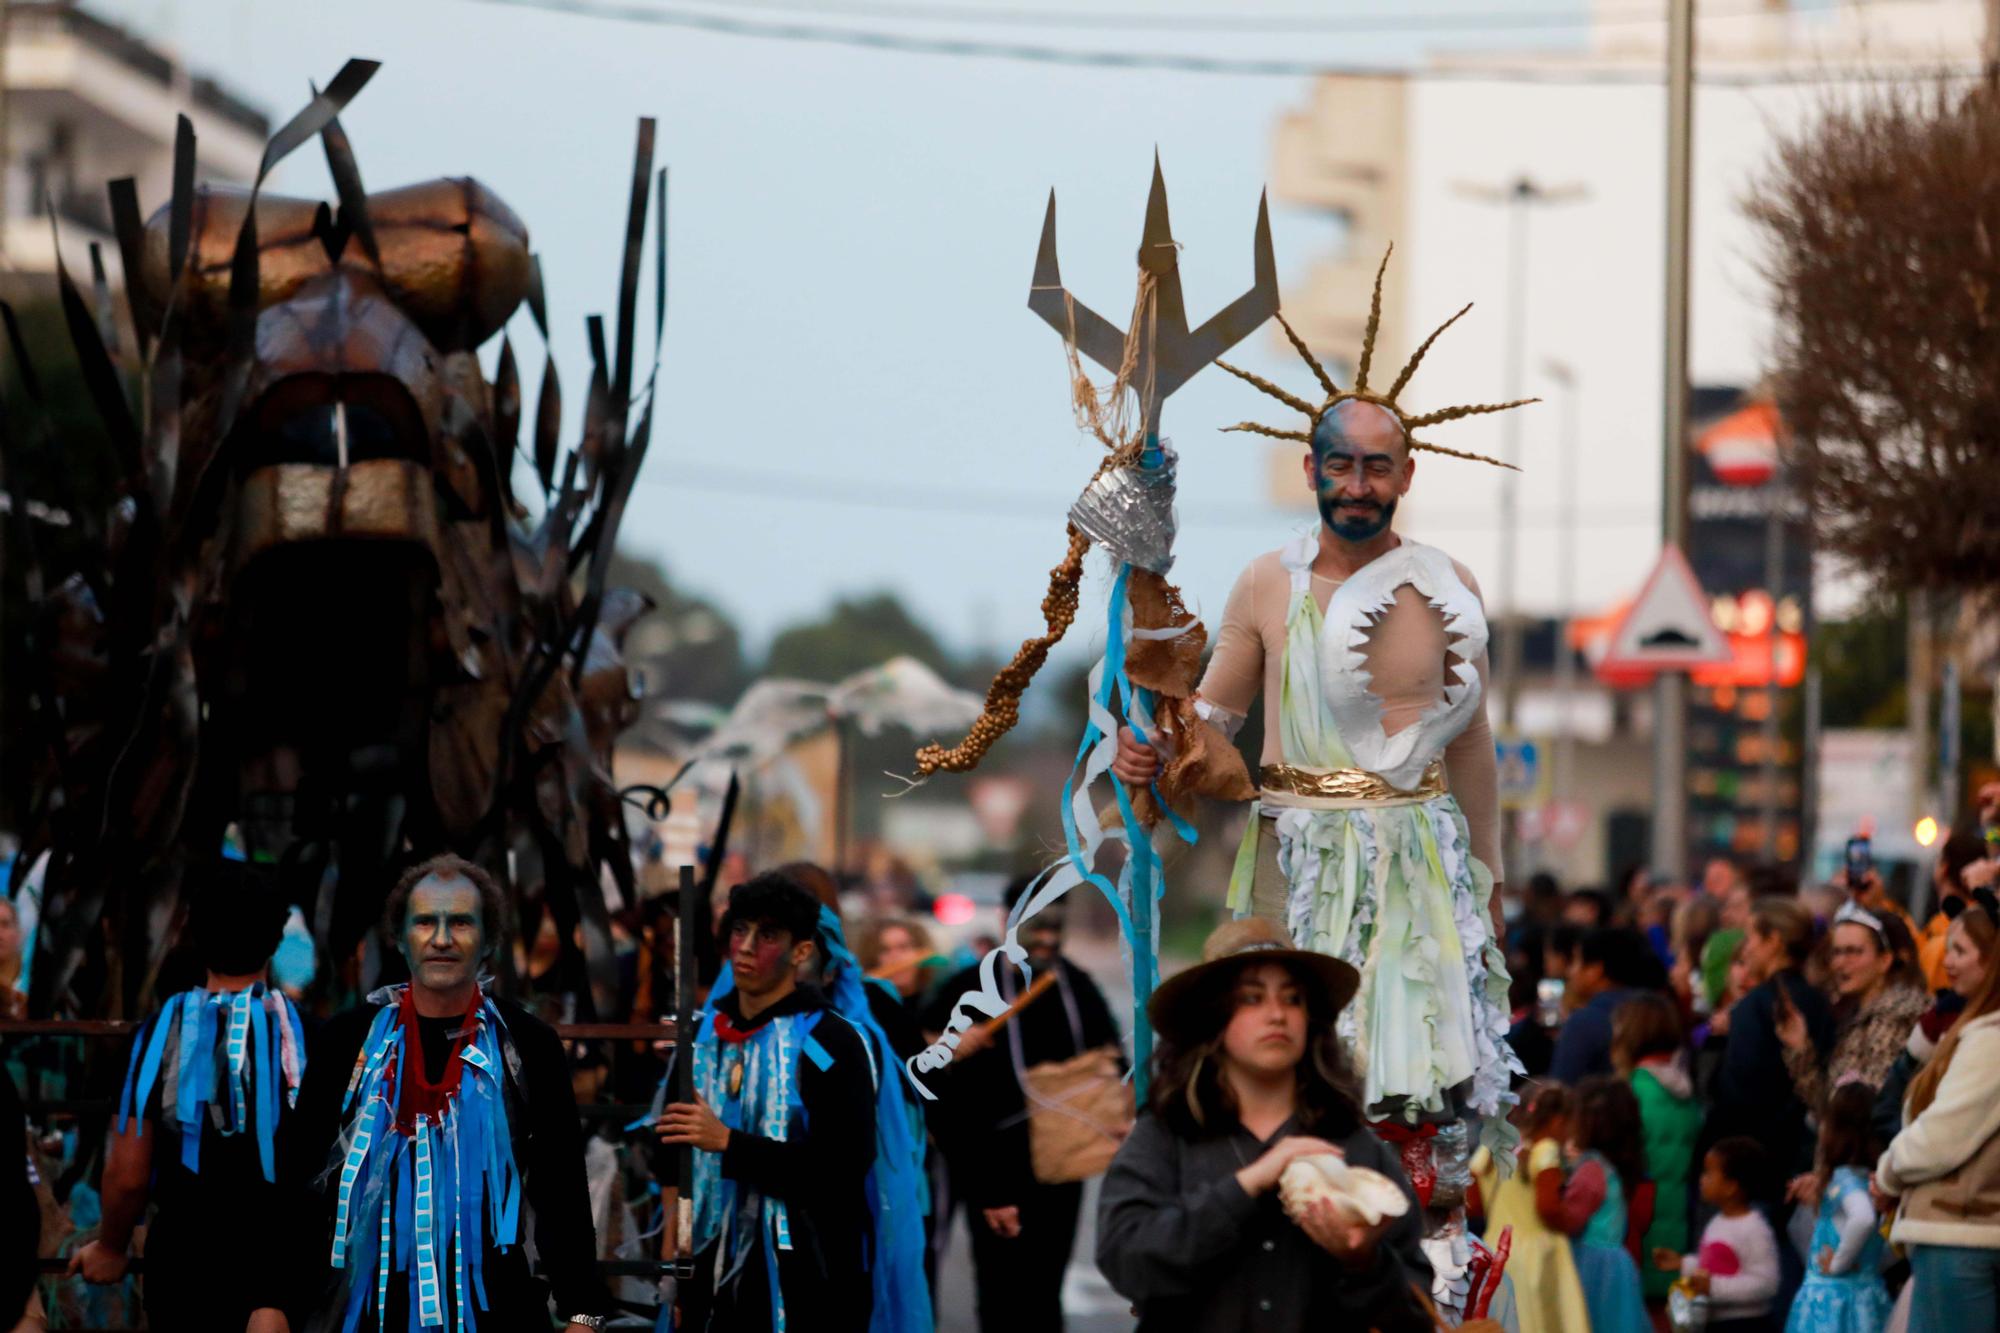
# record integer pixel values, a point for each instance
(321, 613)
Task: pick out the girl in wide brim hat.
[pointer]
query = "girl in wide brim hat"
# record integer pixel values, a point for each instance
(1249, 1075)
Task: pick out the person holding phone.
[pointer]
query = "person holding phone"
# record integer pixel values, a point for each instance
(1753, 1093)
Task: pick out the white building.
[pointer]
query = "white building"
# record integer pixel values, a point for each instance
(85, 103)
(1404, 158)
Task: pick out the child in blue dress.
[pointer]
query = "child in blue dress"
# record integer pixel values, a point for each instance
(1843, 1290)
(1609, 1171)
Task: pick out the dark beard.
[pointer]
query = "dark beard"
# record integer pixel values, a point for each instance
(1355, 529)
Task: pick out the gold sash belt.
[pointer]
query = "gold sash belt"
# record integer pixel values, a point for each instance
(1349, 784)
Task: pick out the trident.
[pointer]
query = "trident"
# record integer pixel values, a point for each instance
(1167, 360)
(1172, 356)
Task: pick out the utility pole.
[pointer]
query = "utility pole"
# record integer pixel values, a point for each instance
(1670, 689)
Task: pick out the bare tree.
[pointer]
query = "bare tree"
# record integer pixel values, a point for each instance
(1882, 220)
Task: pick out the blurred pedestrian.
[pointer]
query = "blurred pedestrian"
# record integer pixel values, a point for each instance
(13, 995)
(1753, 1093)
(1588, 909)
(1611, 962)
(1878, 995)
(1736, 1266)
(1968, 953)
(899, 950)
(1250, 1076)
(1647, 1048)
(1944, 1169)
(1725, 885)
(1695, 919)
(1548, 1296)
(1843, 1290)
(1964, 863)
(1023, 1229)
(1607, 1175)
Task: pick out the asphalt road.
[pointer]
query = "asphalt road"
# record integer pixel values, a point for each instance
(1089, 1305)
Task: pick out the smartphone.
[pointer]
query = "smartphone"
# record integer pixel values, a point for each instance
(1860, 862)
(1549, 1001)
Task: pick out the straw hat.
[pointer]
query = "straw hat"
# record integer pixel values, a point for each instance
(1184, 998)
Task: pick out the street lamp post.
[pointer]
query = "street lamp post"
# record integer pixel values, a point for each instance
(1565, 755)
(1518, 195)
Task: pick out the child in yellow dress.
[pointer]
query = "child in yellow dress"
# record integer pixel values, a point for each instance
(1547, 1294)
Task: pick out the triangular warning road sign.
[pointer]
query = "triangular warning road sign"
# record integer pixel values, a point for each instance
(1668, 627)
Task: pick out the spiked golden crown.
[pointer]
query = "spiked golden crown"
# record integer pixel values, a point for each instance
(1386, 400)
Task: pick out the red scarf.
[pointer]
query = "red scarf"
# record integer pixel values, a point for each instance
(420, 1096)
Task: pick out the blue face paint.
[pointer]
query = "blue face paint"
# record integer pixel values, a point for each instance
(1358, 462)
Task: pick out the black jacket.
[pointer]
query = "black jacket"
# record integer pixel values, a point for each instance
(548, 1148)
(1753, 1094)
(1177, 1235)
(980, 1116)
(820, 1171)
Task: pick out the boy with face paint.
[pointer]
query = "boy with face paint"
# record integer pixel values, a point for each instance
(211, 1082)
(437, 1133)
(784, 1131)
(1377, 831)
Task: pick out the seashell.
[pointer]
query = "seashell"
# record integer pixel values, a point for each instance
(1356, 1190)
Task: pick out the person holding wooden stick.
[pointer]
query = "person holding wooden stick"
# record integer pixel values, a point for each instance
(784, 1126)
(1023, 1228)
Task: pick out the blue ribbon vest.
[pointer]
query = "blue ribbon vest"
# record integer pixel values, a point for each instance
(228, 1053)
(425, 1203)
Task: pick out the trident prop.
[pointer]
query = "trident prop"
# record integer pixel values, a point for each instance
(1127, 509)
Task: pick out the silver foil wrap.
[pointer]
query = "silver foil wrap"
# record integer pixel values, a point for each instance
(1129, 511)
(1451, 1158)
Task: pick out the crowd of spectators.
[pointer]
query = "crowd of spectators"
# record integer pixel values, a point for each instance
(1803, 1086)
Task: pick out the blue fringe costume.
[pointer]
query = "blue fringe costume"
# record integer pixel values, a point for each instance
(426, 1202)
(227, 1055)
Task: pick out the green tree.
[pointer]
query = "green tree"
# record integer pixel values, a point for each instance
(688, 647)
(858, 633)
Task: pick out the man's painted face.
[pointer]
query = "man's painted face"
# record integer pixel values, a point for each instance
(762, 957)
(1359, 469)
(444, 936)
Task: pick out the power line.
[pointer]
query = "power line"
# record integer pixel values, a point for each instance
(682, 478)
(1484, 19)
(1176, 62)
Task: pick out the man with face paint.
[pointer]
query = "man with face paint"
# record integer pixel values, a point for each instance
(1022, 1229)
(1376, 835)
(436, 1134)
(783, 1124)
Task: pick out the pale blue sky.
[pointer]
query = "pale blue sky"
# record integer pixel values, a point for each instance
(852, 238)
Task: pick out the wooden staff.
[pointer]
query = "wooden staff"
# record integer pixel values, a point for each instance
(1028, 997)
(890, 973)
(684, 1033)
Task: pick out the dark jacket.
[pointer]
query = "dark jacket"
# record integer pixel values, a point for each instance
(980, 1116)
(1753, 1094)
(820, 1170)
(548, 1147)
(1177, 1236)
(1584, 1046)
